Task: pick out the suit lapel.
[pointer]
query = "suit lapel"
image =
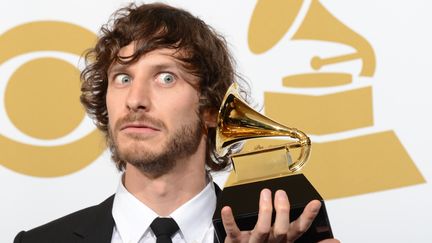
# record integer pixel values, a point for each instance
(217, 191)
(100, 224)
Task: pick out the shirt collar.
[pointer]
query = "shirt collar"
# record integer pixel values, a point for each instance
(195, 216)
(133, 218)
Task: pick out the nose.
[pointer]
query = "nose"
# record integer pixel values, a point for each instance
(139, 96)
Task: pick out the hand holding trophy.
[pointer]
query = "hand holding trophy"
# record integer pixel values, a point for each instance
(272, 168)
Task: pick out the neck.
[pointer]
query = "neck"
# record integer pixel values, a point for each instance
(166, 193)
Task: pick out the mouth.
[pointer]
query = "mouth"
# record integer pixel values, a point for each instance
(139, 128)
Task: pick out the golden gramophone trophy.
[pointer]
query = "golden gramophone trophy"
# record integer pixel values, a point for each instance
(271, 167)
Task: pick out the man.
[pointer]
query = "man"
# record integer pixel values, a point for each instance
(153, 85)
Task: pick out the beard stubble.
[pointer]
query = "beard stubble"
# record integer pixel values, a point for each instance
(180, 144)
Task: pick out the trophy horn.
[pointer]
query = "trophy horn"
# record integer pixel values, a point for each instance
(237, 122)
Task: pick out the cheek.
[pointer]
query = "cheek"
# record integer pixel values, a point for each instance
(108, 105)
(112, 108)
(182, 110)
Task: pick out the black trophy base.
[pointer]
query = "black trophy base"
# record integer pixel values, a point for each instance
(244, 201)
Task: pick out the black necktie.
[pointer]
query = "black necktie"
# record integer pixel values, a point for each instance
(164, 228)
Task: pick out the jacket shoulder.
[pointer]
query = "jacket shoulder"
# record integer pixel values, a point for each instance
(71, 227)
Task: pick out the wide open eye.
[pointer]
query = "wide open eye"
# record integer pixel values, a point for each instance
(165, 78)
(122, 79)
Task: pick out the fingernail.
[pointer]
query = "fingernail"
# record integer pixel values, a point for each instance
(316, 210)
(266, 195)
(281, 195)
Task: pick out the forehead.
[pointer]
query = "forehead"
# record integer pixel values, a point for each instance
(127, 52)
(166, 55)
(157, 59)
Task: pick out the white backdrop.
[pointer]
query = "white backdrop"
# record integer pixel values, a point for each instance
(400, 34)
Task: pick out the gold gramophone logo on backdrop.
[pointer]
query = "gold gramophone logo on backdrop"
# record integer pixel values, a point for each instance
(341, 167)
(41, 100)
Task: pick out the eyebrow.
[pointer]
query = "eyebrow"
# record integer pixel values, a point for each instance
(117, 68)
(162, 66)
(120, 68)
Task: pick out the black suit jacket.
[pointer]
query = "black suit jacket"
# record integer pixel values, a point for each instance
(90, 225)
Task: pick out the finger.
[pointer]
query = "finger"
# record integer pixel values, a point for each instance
(302, 224)
(262, 228)
(329, 241)
(231, 229)
(282, 221)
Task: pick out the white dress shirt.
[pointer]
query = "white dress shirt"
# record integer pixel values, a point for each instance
(133, 218)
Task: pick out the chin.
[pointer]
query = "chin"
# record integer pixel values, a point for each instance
(138, 150)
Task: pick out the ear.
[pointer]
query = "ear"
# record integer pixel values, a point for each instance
(210, 117)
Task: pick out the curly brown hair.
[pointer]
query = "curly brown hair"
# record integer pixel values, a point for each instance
(155, 26)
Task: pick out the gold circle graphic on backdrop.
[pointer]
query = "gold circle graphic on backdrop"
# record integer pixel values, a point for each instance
(56, 88)
(42, 100)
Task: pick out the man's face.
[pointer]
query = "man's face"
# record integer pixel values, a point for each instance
(153, 111)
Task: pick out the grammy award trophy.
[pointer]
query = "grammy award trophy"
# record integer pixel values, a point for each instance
(270, 167)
